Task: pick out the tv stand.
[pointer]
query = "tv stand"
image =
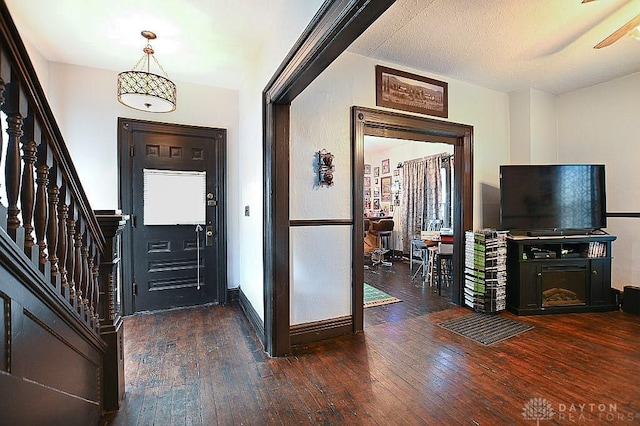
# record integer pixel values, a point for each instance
(559, 274)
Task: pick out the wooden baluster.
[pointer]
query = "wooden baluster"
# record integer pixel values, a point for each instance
(63, 211)
(84, 264)
(30, 142)
(5, 78)
(70, 256)
(41, 217)
(90, 290)
(16, 110)
(52, 227)
(77, 262)
(96, 291)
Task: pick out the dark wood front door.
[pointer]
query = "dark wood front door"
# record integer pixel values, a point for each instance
(172, 183)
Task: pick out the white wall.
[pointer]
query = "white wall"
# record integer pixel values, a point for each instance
(533, 127)
(520, 127)
(599, 124)
(250, 192)
(40, 64)
(544, 128)
(320, 118)
(281, 37)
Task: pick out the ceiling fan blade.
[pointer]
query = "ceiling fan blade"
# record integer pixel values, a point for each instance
(619, 33)
(587, 1)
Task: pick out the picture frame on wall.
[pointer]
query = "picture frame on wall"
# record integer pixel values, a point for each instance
(376, 204)
(385, 184)
(367, 182)
(396, 172)
(376, 171)
(411, 92)
(367, 192)
(385, 167)
(367, 169)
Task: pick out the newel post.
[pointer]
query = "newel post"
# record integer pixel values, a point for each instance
(109, 308)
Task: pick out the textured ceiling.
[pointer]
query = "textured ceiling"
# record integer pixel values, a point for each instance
(506, 45)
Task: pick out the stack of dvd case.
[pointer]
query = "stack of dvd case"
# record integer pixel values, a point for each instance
(485, 270)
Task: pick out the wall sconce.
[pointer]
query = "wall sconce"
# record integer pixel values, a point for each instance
(325, 168)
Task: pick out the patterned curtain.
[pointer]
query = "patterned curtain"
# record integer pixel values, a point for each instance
(434, 204)
(421, 196)
(413, 180)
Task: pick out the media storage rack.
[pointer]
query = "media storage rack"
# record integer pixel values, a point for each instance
(485, 270)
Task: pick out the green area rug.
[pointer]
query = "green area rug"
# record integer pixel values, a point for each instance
(375, 297)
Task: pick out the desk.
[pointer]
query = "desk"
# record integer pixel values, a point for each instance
(377, 218)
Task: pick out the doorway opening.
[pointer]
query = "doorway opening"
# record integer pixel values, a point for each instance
(408, 192)
(380, 123)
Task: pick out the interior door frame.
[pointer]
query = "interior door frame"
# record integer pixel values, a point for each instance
(382, 123)
(126, 126)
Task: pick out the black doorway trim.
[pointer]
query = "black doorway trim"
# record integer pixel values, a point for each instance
(374, 122)
(336, 25)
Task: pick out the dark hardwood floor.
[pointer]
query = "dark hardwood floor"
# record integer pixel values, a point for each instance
(418, 298)
(205, 366)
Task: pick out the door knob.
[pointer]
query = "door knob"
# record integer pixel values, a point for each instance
(209, 235)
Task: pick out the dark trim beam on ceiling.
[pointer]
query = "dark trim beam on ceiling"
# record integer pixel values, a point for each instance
(336, 25)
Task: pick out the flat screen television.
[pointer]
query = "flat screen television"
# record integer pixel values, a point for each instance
(553, 199)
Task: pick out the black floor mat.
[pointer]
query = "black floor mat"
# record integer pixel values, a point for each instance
(485, 328)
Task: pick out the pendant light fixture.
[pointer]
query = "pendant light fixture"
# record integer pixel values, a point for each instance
(143, 90)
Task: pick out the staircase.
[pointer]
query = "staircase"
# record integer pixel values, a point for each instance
(58, 326)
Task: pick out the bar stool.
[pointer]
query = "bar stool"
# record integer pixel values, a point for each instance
(417, 253)
(432, 256)
(444, 270)
(367, 224)
(382, 229)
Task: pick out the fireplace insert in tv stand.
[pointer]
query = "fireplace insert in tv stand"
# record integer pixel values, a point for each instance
(556, 274)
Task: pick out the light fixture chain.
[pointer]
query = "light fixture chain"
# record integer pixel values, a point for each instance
(160, 66)
(138, 64)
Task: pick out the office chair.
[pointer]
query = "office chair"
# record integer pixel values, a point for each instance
(382, 229)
